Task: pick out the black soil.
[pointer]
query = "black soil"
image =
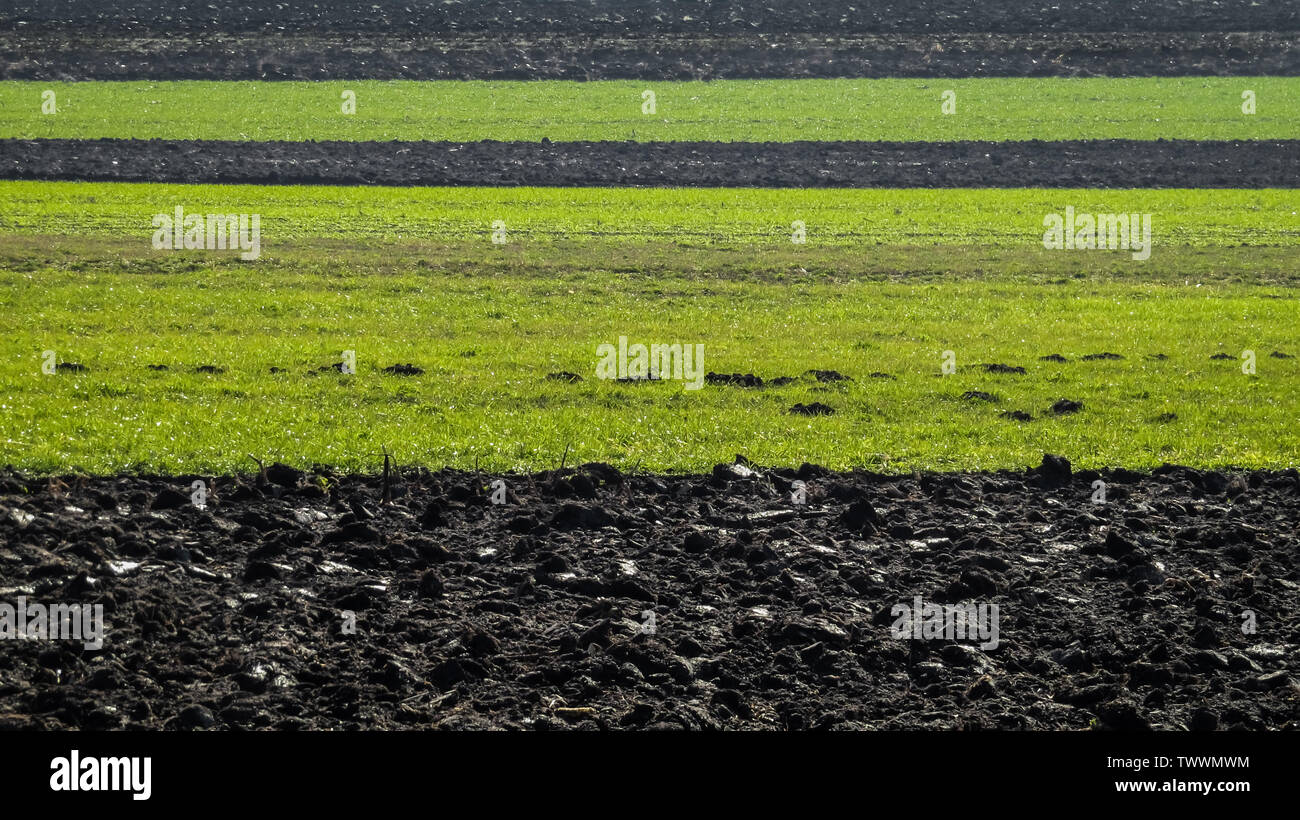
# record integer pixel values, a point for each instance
(406, 369)
(734, 379)
(621, 16)
(644, 39)
(1066, 164)
(767, 614)
(812, 409)
(75, 55)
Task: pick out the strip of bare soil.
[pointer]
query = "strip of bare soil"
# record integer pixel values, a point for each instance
(594, 599)
(593, 16)
(1068, 164)
(74, 55)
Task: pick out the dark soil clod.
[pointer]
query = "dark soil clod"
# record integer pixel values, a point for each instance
(209, 368)
(564, 376)
(734, 379)
(1099, 357)
(404, 370)
(1016, 415)
(979, 395)
(71, 367)
(1053, 357)
(1065, 406)
(1219, 357)
(814, 409)
(284, 475)
(1003, 368)
(862, 516)
(827, 375)
(157, 367)
(1054, 469)
(169, 499)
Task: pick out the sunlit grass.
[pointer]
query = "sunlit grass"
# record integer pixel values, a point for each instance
(726, 110)
(872, 221)
(488, 324)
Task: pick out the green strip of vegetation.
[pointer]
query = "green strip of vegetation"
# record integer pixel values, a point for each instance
(1191, 108)
(411, 276)
(868, 220)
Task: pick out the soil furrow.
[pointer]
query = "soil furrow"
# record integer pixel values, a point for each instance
(1072, 164)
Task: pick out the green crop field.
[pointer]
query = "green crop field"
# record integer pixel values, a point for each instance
(759, 110)
(869, 221)
(887, 282)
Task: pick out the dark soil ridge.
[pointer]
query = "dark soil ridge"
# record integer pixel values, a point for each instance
(769, 614)
(1065, 164)
(744, 16)
(72, 56)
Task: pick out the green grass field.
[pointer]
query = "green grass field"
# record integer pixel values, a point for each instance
(869, 220)
(887, 282)
(758, 110)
